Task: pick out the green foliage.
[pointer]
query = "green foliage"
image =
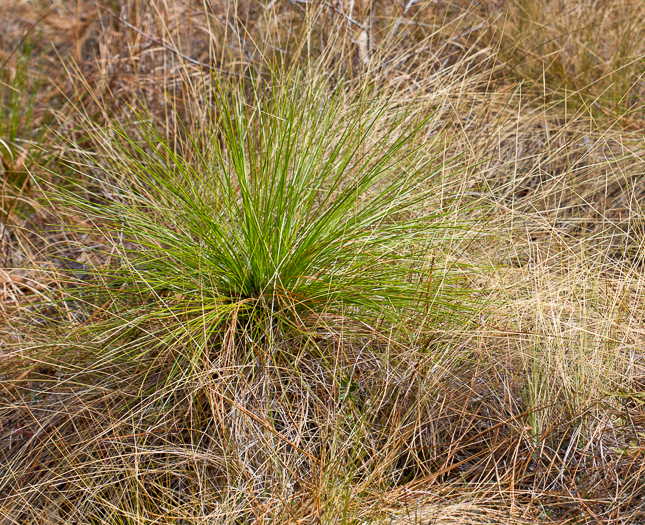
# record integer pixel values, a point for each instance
(291, 209)
(17, 100)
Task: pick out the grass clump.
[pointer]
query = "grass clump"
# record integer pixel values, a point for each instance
(284, 209)
(254, 294)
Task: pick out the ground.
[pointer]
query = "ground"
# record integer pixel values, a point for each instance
(476, 357)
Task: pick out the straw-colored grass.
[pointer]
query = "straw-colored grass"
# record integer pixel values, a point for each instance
(444, 323)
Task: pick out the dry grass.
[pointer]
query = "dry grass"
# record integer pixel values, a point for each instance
(531, 411)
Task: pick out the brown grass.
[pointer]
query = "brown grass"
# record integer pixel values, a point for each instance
(532, 413)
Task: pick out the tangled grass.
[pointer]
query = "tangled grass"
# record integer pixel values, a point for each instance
(321, 262)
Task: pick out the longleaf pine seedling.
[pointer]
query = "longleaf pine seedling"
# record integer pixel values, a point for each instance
(290, 211)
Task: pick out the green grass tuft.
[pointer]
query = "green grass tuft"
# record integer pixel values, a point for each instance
(289, 208)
